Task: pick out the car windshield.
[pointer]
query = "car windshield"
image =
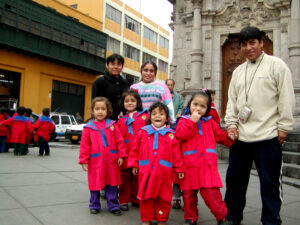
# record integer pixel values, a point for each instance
(73, 120)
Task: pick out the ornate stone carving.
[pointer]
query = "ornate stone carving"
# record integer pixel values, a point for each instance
(246, 12)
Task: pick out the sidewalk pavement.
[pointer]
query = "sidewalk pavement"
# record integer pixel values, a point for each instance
(53, 191)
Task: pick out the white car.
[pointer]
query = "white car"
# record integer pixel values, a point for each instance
(73, 133)
(62, 121)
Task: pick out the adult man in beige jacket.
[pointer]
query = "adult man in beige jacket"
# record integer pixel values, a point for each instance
(259, 114)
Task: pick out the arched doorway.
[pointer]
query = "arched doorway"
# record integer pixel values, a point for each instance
(232, 58)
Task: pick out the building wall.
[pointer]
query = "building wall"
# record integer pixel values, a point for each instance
(202, 27)
(82, 16)
(97, 9)
(37, 76)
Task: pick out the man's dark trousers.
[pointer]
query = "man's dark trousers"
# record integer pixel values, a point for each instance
(267, 156)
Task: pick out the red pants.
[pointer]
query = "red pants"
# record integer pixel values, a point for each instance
(212, 198)
(154, 209)
(129, 188)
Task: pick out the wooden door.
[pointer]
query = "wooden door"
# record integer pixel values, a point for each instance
(232, 58)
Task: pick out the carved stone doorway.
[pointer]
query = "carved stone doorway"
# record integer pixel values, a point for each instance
(232, 58)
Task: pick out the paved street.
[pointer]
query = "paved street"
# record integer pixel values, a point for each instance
(53, 191)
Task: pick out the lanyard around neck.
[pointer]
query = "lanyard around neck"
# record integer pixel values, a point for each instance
(247, 92)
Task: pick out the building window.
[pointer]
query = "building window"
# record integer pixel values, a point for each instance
(113, 45)
(113, 14)
(132, 25)
(147, 57)
(162, 66)
(131, 79)
(131, 52)
(150, 35)
(163, 42)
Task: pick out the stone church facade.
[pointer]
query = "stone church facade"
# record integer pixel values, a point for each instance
(206, 49)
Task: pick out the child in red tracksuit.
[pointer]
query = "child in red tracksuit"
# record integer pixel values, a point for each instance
(102, 150)
(20, 127)
(44, 127)
(129, 125)
(198, 134)
(154, 158)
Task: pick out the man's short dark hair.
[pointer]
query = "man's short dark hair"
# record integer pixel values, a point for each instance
(248, 33)
(114, 57)
(170, 80)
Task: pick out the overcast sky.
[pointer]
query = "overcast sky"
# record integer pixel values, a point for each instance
(158, 11)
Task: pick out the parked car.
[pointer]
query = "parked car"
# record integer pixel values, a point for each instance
(73, 133)
(62, 121)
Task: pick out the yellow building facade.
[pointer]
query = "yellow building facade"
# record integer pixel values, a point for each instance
(43, 66)
(36, 79)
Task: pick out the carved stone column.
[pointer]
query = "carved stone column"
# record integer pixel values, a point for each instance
(294, 53)
(196, 53)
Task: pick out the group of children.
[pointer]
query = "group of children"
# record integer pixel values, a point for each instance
(18, 130)
(143, 156)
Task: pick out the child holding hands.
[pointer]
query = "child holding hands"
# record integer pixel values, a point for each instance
(198, 134)
(155, 157)
(102, 150)
(129, 125)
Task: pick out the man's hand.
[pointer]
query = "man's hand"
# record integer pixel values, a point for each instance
(84, 166)
(233, 133)
(282, 136)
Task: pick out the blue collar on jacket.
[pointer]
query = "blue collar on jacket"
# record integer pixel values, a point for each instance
(45, 119)
(108, 123)
(20, 118)
(150, 130)
(130, 120)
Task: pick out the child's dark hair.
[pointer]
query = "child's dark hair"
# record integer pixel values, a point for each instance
(139, 105)
(28, 112)
(161, 106)
(107, 103)
(46, 112)
(149, 62)
(114, 57)
(21, 110)
(248, 33)
(204, 92)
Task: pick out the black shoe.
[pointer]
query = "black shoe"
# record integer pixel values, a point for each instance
(124, 207)
(135, 204)
(117, 212)
(94, 211)
(176, 204)
(189, 222)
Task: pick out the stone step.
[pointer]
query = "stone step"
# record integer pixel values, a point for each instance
(293, 137)
(291, 157)
(291, 147)
(291, 170)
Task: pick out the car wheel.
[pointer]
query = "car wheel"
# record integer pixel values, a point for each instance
(74, 141)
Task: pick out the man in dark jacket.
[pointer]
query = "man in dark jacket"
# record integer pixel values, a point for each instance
(111, 85)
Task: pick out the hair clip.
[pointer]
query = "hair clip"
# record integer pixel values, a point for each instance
(204, 89)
